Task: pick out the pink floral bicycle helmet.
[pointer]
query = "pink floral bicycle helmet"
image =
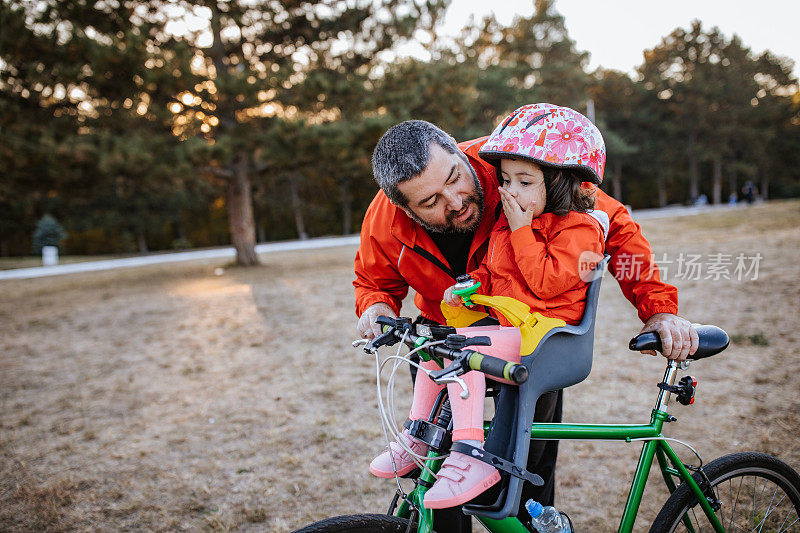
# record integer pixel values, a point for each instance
(549, 135)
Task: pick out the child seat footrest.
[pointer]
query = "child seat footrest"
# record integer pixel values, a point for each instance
(498, 462)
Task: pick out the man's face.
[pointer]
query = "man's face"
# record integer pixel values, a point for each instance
(447, 196)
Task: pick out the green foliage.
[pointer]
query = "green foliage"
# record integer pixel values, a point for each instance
(724, 104)
(137, 138)
(48, 233)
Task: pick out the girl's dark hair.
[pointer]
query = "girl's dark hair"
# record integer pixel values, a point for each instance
(564, 191)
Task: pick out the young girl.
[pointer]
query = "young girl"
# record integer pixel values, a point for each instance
(548, 227)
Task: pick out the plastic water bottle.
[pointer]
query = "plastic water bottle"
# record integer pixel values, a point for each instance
(546, 519)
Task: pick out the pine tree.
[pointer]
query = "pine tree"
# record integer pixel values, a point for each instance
(725, 101)
(48, 233)
(94, 82)
(261, 55)
(537, 58)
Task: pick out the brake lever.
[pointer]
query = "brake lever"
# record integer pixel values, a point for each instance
(386, 338)
(452, 377)
(451, 374)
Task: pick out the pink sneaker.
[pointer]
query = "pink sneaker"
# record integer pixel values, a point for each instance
(381, 466)
(461, 479)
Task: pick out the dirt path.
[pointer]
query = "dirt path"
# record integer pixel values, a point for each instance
(168, 398)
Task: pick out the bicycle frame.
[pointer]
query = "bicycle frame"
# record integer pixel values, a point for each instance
(654, 447)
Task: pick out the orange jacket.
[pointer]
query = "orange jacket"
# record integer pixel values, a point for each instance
(539, 264)
(396, 253)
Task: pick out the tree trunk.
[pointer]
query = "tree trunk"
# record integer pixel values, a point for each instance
(763, 192)
(239, 195)
(347, 204)
(662, 189)
(141, 241)
(617, 180)
(694, 173)
(261, 232)
(177, 226)
(716, 193)
(240, 216)
(297, 207)
(733, 182)
(3, 249)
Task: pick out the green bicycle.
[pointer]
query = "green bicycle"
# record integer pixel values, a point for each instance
(747, 491)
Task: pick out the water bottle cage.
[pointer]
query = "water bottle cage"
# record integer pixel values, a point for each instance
(684, 390)
(437, 437)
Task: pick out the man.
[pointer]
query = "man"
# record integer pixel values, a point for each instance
(430, 223)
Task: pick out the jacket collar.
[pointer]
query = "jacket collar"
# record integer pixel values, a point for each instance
(404, 229)
(491, 200)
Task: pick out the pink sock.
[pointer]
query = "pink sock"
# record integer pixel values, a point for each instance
(468, 414)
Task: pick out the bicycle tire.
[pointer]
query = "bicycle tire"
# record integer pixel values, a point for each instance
(739, 477)
(358, 523)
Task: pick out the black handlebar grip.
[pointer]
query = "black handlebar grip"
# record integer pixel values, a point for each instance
(519, 374)
(499, 368)
(712, 340)
(645, 341)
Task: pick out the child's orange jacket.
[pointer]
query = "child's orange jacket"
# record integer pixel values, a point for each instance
(540, 264)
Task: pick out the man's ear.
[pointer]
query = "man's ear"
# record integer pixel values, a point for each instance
(407, 211)
(404, 208)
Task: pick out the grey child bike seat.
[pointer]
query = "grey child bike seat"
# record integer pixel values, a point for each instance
(562, 358)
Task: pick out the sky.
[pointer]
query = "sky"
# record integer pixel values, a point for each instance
(616, 32)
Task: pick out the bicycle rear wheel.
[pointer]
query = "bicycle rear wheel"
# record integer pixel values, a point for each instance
(358, 523)
(757, 492)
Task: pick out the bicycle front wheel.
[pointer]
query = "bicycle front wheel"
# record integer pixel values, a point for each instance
(756, 492)
(358, 523)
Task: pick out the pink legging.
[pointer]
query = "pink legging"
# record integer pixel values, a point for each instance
(467, 414)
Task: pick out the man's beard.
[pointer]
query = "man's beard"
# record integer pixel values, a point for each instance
(470, 224)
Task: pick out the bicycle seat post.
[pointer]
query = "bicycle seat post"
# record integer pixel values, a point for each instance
(670, 374)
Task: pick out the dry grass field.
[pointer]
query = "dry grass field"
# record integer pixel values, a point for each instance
(169, 398)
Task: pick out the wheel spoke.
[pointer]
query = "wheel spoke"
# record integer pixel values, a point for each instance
(783, 523)
(769, 511)
(753, 510)
(764, 520)
(696, 520)
(762, 491)
(793, 523)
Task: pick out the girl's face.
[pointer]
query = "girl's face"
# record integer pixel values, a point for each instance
(525, 181)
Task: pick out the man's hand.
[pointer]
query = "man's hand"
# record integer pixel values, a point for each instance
(367, 327)
(678, 338)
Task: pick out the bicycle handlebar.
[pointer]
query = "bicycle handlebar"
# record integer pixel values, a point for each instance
(463, 359)
(496, 367)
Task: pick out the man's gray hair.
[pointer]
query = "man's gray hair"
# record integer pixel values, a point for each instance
(403, 153)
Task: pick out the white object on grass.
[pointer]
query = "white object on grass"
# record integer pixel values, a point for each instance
(49, 255)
